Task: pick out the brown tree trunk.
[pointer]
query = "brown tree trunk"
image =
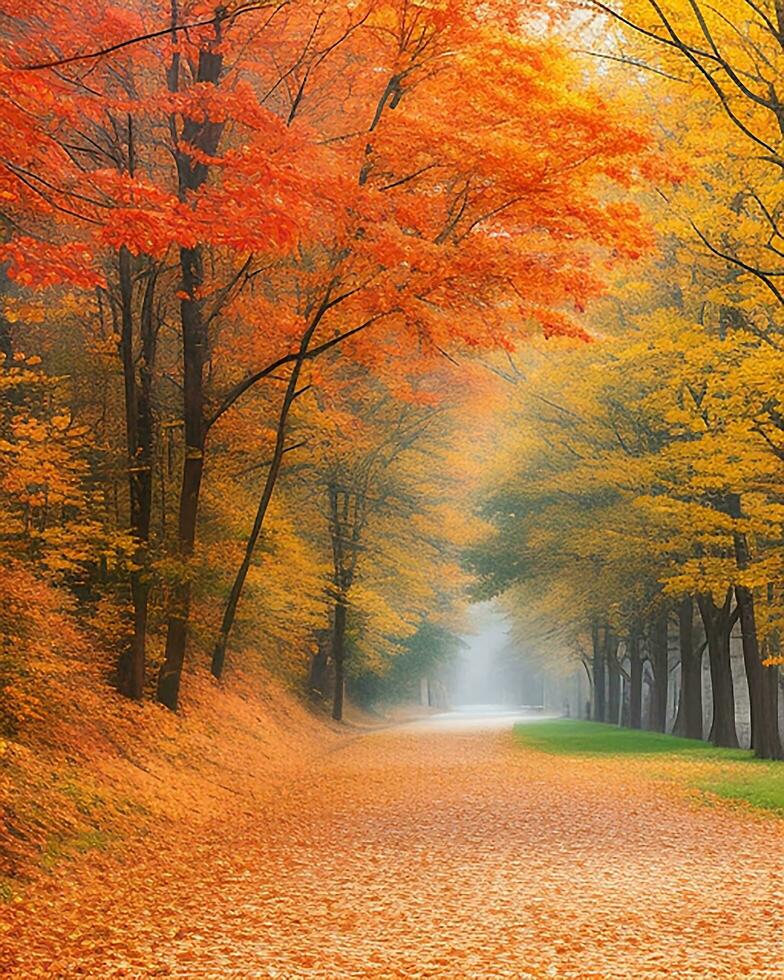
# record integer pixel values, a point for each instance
(319, 661)
(205, 136)
(6, 341)
(598, 665)
(194, 357)
(765, 738)
(230, 612)
(339, 658)
(613, 677)
(688, 721)
(635, 681)
(770, 676)
(658, 655)
(717, 621)
(770, 687)
(347, 509)
(139, 441)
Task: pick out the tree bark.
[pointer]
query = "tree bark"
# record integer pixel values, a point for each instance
(717, 621)
(6, 340)
(599, 700)
(230, 612)
(770, 676)
(348, 511)
(688, 721)
(658, 648)
(765, 738)
(613, 677)
(319, 661)
(635, 681)
(194, 337)
(339, 658)
(205, 136)
(137, 387)
(770, 686)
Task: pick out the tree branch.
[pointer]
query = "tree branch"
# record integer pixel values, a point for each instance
(221, 15)
(241, 387)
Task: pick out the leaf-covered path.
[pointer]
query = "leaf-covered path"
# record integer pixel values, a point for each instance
(431, 850)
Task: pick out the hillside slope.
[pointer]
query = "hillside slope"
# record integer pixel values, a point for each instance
(94, 771)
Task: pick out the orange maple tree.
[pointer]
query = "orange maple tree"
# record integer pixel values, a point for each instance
(399, 179)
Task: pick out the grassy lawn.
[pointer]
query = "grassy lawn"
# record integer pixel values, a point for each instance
(732, 774)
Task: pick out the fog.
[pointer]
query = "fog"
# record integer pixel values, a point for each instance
(491, 670)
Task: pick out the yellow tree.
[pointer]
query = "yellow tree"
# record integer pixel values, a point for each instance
(383, 466)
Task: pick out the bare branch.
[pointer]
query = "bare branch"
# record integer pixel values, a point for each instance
(221, 15)
(247, 383)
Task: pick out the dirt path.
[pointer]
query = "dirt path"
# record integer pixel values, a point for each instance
(431, 851)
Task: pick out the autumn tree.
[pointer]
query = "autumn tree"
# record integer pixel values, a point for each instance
(242, 189)
(385, 517)
(431, 271)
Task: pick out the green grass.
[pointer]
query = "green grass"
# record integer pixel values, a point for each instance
(730, 774)
(762, 789)
(567, 737)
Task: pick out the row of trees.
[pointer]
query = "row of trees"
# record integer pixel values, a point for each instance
(637, 509)
(643, 499)
(244, 244)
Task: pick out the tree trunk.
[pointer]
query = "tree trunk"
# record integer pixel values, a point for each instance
(764, 722)
(317, 675)
(717, 621)
(599, 700)
(773, 649)
(770, 687)
(6, 340)
(771, 674)
(339, 658)
(230, 612)
(204, 135)
(688, 721)
(318, 678)
(635, 681)
(613, 677)
(291, 393)
(659, 665)
(345, 525)
(194, 351)
(139, 442)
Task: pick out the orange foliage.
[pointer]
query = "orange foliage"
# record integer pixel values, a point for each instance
(402, 180)
(469, 212)
(38, 644)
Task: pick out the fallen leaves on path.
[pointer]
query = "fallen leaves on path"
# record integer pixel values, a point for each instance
(417, 852)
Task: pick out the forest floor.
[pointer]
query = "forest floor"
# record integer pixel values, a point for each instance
(433, 849)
